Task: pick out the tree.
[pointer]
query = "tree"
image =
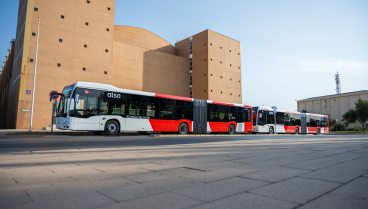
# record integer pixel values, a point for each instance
(304, 111)
(358, 114)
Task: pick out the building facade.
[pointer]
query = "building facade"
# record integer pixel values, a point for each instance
(333, 105)
(78, 41)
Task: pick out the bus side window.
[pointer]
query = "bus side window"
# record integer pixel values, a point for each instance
(167, 108)
(136, 105)
(152, 104)
(184, 110)
(211, 112)
(232, 113)
(308, 121)
(241, 115)
(280, 118)
(220, 114)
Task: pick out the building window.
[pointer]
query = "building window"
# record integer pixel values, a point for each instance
(58, 64)
(211, 59)
(211, 90)
(106, 50)
(191, 68)
(231, 94)
(220, 47)
(221, 62)
(33, 34)
(204, 59)
(230, 50)
(107, 29)
(205, 44)
(238, 67)
(88, 2)
(211, 44)
(62, 16)
(85, 46)
(230, 64)
(239, 95)
(105, 72)
(35, 9)
(211, 74)
(31, 60)
(230, 79)
(239, 81)
(220, 76)
(238, 53)
(221, 92)
(204, 74)
(60, 40)
(87, 23)
(84, 69)
(108, 8)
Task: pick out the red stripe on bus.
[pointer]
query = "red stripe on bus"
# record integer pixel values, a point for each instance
(173, 97)
(224, 103)
(168, 125)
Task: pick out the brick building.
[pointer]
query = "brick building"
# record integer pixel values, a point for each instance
(78, 41)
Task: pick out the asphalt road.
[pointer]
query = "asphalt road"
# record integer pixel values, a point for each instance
(32, 142)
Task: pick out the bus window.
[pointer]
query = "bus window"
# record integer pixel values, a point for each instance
(318, 120)
(184, 110)
(288, 119)
(135, 105)
(312, 122)
(166, 108)
(87, 105)
(220, 114)
(152, 104)
(255, 109)
(297, 120)
(110, 106)
(241, 115)
(270, 118)
(308, 121)
(211, 112)
(280, 118)
(262, 118)
(232, 113)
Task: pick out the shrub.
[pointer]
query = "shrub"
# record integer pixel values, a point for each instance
(357, 129)
(340, 127)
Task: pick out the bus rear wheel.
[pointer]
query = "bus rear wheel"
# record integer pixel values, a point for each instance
(297, 131)
(231, 129)
(183, 128)
(112, 127)
(270, 131)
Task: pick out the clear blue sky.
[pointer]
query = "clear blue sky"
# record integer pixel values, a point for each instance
(290, 49)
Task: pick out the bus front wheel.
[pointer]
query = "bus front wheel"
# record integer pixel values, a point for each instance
(270, 131)
(231, 129)
(112, 127)
(183, 128)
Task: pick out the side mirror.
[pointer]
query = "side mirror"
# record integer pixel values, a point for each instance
(76, 98)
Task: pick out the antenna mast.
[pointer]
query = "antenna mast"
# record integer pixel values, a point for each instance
(338, 84)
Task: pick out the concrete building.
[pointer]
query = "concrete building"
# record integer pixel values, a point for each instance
(333, 105)
(78, 41)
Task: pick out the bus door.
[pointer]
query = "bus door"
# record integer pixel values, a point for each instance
(280, 128)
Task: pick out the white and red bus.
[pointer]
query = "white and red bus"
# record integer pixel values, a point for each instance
(95, 107)
(288, 122)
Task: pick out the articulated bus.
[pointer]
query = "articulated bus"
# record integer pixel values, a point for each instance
(288, 122)
(95, 107)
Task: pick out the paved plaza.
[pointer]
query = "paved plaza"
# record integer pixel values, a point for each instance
(236, 172)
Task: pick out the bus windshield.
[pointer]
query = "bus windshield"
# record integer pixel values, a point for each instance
(63, 102)
(87, 104)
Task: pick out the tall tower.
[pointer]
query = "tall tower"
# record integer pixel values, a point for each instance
(338, 84)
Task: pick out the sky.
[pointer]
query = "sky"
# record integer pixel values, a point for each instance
(291, 50)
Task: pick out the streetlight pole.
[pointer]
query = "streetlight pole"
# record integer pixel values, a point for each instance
(34, 75)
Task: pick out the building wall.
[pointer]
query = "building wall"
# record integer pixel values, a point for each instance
(200, 66)
(69, 52)
(143, 69)
(334, 105)
(143, 38)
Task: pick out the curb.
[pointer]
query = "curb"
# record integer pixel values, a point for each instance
(214, 135)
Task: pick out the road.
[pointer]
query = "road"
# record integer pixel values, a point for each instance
(42, 142)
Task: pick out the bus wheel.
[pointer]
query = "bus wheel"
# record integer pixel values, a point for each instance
(270, 131)
(318, 132)
(231, 129)
(183, 128)
(111, 127)
(297, 131)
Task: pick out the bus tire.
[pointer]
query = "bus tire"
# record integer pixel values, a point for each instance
(231, 129)
(183, 128)
(318, 132)
(270, 131)
(297, 131)
(111, 127)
